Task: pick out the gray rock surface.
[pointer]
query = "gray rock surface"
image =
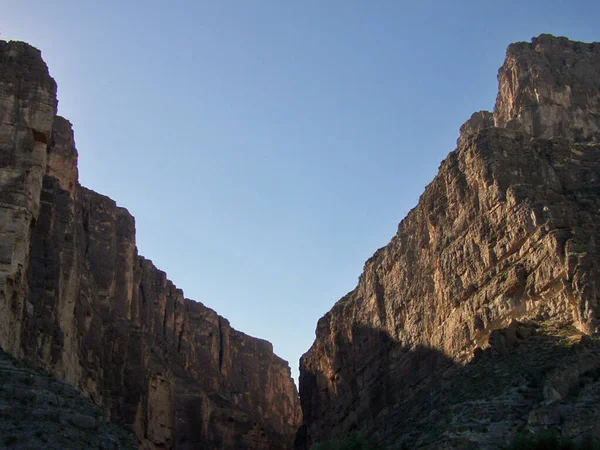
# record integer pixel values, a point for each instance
(38, 411)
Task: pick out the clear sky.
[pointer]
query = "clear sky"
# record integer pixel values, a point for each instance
(267, 148)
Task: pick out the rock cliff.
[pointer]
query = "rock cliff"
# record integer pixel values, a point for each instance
(77, 300)
(39, 411)
(472, 323)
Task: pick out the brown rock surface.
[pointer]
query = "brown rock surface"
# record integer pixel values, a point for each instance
(506, 231)
(77, 299)
(549, 87)
(27, 112)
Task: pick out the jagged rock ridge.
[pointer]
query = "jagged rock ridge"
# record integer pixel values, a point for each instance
(78, 300)
(500, 255)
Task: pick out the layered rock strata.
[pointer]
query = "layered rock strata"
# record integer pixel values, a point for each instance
(506, 234)
(77, 299)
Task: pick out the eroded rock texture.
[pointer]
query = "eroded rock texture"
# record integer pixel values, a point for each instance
(78, 300)
(39, 411)
(500, 254)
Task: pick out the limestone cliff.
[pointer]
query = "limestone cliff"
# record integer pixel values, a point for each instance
(78, 300)
(470, 324)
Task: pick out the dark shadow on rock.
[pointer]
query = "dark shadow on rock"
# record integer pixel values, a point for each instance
(368, 375)
(531, 376)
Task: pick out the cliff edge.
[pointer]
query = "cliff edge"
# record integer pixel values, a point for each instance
(77, 300)
(480, 318)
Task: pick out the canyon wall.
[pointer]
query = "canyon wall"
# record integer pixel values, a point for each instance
(501, 254)
(78, 300)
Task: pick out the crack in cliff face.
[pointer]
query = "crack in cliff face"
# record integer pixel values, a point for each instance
(221, 345)
(180, 337)
(164, 321)
(86, 228)
(143, 293)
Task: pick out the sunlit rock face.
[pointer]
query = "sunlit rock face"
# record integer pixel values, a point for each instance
(501, 255)
(78, 300)
(549, 88)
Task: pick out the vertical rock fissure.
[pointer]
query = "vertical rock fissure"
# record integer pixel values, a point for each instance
(180, 337)
(143, 293)
(164, 322)
(221, 343)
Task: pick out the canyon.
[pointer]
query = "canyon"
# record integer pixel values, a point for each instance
(478, 321)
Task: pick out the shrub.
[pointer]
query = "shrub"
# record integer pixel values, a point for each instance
(354, 441)
(550, 440)
(10, 440)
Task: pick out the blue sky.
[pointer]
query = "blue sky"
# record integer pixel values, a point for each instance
(268, 148)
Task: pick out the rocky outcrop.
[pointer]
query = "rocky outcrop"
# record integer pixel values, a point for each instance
(78, 301)
(507, 231)
(27, 112)
(39, 411)
(550, 88)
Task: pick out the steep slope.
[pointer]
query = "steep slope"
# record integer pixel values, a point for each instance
(500, 254)
(39, 411)
(78, 300)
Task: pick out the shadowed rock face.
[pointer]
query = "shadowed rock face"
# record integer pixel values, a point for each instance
(506, 231)
(39, 411)
(77, 299)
